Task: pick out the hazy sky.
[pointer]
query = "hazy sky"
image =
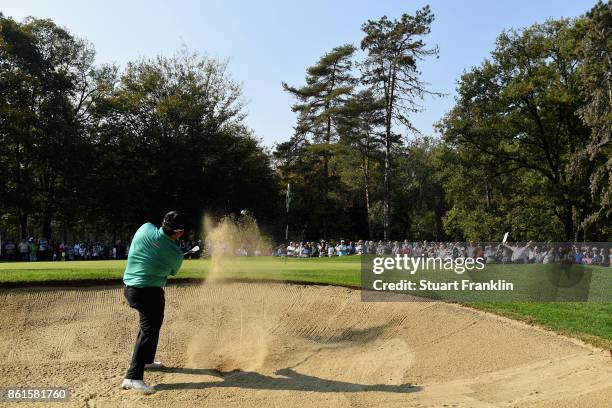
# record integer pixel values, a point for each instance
(270, 41)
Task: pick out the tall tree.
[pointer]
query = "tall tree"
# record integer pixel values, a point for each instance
(394, 49)
(328, 85)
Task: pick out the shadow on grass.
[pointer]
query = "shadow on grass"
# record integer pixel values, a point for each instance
(290, 380)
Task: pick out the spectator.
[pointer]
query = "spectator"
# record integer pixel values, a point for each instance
(322, 249)
(549, 256)
(24, 250)
(490, 254)
(314, 250)
(360, 248)
(33, 249)
(330, 250)
(596, 259)
(605, 259)
(83, 252)
(9, 251)
(291, 249)
(43, 249)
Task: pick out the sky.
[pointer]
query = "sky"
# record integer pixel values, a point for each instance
(274, 41)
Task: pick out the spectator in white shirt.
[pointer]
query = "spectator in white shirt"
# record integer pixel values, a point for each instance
(290, 249)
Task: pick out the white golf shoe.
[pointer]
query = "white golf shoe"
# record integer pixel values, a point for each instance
(137, 385)
(156, 365)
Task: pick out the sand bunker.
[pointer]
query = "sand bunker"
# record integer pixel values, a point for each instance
(290, 345)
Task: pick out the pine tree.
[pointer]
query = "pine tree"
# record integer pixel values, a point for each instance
(390, 69)
(328, 85)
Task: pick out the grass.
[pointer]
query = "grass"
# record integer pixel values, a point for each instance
(340, 271)
(589, 321)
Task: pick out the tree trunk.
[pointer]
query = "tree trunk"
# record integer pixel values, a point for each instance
(326, 155)
(23, 217)
(568, 223)
(387, 192)
(366, 183)
(46, 225)
(389, 95)
(23, 224)
(325, 192)
(487, 193)
(50, 202)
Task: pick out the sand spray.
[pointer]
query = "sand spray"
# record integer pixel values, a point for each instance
(240, 336)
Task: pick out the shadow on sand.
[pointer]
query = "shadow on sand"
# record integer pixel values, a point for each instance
(290, 380)
(351, 335)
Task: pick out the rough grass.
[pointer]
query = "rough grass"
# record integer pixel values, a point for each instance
(588, 321)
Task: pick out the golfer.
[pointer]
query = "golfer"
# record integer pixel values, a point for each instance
(154, 254)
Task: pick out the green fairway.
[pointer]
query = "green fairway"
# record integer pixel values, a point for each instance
(340, 271)
(589, 321)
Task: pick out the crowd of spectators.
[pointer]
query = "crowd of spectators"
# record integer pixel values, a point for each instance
(43, 249)
(529, 252)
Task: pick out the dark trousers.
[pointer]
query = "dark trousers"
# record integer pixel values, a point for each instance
(150, 303)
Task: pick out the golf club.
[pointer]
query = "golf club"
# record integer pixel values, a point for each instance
(192, 250)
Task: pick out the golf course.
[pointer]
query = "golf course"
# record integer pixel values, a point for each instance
(306, 204)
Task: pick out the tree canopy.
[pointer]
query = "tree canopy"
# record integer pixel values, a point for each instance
(525, 149)
(95, 150)
(91, 149)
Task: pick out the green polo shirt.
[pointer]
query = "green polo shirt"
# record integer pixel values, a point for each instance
(153, 256)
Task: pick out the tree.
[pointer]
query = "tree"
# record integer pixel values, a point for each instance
(328, 85)
(394, 49)
(419, 198)
(84, 149)
(358, 126)
(172, 131)
(517, 116)
(54, 84)
(20, 66)
(594, 50)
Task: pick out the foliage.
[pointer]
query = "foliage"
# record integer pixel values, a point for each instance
(353, 129)
(518, 141)
(594, 50)
(90, 150)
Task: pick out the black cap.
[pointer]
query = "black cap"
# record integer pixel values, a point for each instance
(173, 222)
